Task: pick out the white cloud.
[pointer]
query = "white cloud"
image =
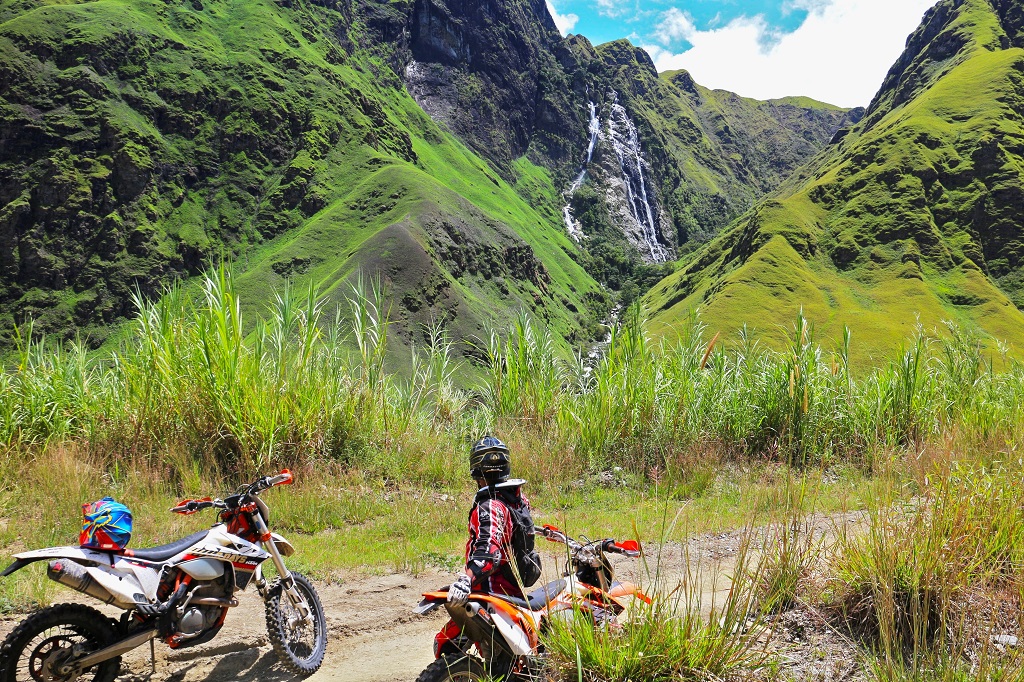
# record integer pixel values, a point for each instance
(675, 25)
(612, 8)
(809, 5)
(564, 22)
(839, 55)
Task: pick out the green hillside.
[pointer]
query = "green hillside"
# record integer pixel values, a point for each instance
(909, 218)
(141, 140)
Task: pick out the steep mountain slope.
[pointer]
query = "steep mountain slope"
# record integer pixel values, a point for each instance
(502, 79)
(434, 143)
(912, 216)
(140, 139)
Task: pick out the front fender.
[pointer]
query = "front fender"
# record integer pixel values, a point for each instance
(283, 546)
(83, 556)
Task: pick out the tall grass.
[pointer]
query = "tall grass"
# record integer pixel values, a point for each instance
(303, 382)
(929, 582)
(685, 633)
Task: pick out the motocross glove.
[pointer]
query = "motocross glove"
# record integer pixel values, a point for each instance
(458, 592)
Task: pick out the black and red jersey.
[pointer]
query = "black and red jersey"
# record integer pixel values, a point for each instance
(489, 549)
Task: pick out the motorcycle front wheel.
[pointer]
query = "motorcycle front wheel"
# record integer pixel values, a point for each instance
(46, 640)
(300, 645)
(455, 668)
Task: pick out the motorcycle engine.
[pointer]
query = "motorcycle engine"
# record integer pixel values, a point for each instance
(198, 618)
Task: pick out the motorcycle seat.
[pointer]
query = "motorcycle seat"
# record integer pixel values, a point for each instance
(539, 598)
(165, 552)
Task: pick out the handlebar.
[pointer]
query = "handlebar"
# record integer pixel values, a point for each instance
(187, 507)
(255, 488)
(264, 482)
(630, 548)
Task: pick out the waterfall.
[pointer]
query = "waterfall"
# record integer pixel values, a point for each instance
(575, 231)
(595, 131)
(626, 142)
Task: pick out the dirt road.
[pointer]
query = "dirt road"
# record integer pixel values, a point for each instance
(372, 637)
(373, 634)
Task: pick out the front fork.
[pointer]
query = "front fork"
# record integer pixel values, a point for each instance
(287, 584)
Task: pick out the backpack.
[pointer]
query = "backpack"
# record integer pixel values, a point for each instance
(524, 568)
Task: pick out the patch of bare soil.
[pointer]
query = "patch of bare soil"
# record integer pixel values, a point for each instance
(374, 636)
(808, 648)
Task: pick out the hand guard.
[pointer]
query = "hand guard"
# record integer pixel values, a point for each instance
(458, 592)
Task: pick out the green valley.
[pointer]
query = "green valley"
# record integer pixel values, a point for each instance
(323, 143)
(777, 342)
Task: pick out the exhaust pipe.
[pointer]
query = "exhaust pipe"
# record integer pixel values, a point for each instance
(74, 575)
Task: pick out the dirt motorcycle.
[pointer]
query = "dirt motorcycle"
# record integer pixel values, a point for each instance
(179, 593)
(496, 636)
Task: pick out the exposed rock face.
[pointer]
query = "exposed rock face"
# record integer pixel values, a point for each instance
(489, 72)
(636, 202)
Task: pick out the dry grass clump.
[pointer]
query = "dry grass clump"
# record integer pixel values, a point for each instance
(924, 588)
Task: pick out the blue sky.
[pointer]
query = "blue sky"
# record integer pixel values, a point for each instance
(837, 51)
(609, 20)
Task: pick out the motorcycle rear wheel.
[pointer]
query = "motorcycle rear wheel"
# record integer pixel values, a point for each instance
(45, 640)
(301, 648)
(455, 668)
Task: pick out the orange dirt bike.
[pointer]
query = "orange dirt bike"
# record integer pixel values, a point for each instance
(179, 593)
(495, 636)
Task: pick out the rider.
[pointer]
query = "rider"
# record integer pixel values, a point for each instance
(499, 554)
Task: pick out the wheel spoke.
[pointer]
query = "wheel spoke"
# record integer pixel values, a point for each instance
(47, 649)
(300, 643)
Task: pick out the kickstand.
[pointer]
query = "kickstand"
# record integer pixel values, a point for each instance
(152, 657)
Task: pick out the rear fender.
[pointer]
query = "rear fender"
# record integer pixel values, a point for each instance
(483, 612)
(86, 557)
(426, 606)
(430, 602)
(514, 617)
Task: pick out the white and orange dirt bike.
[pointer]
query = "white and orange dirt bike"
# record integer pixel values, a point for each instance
(498, 637)
(179, 593)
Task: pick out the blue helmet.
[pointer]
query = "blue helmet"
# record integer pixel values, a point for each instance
(106, 525)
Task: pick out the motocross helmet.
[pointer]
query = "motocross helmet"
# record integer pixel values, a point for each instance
(489, 460)
(106, 525)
